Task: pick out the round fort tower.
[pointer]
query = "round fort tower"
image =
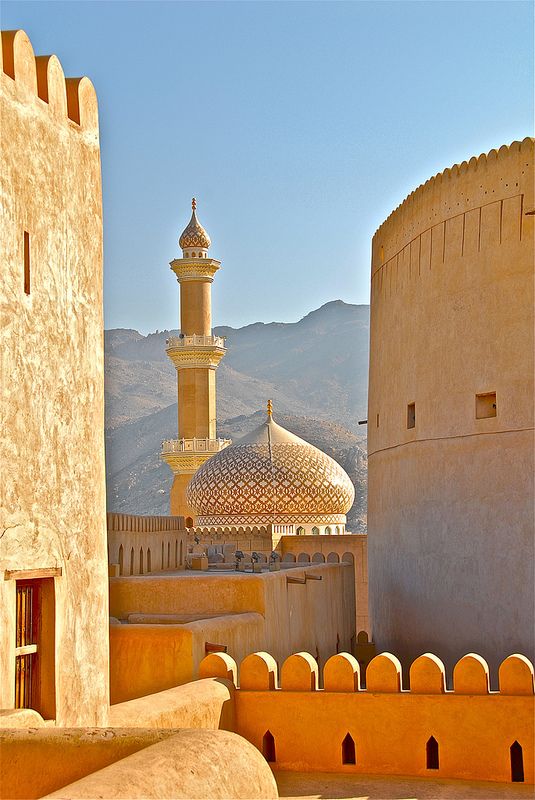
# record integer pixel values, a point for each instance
(196, 354)
(450, 415)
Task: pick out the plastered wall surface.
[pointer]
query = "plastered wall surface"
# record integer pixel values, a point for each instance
(83, 751)
(52, 493)
(355, 544)
(192, 764)
(390, 727)
(451, 500)
(145, 659)
(265, 611)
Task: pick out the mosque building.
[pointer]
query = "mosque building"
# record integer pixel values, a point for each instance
(270, 477)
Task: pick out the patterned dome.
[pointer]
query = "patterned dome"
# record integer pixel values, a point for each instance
(194, 234)
(270, 473)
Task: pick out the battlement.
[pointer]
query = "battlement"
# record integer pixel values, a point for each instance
(341, 673)
(424, 730)
(41, 79)
(474, 164)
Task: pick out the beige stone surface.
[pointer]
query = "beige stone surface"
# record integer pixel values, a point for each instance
(52, 492)
(192, 764)
(451, 506)
(355, 544)
(325, 786)
(35, 762)
(257, 612)
(207, 703)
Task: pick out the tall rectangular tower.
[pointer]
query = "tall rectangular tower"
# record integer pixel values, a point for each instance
(53, 560)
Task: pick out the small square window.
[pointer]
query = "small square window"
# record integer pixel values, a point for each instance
(485, 405)
(411, 415)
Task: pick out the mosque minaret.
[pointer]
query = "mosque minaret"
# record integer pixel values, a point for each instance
(196, 354)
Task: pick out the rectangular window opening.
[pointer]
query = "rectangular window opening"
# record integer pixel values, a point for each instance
(486, 405)
(411, 415)
(377, 421)
(27, 286)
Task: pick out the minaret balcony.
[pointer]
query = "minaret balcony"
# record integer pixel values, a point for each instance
(195, 341)
(185, 456)
(195, 352)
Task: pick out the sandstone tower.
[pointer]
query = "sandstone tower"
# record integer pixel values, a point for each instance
(196, 354)
(54, 587)
(450, 416)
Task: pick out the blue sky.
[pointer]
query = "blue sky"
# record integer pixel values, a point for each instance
(299, 126)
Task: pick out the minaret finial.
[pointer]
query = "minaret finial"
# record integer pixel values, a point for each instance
(193, 204)
(269, 409)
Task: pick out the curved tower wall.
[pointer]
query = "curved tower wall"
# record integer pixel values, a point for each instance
(451, 500)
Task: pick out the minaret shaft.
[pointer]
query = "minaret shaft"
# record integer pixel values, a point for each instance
(196, 308)
(196, 404)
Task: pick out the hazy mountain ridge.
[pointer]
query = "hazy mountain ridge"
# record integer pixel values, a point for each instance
(314, 370)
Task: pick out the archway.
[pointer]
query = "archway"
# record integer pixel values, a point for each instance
(121, 558)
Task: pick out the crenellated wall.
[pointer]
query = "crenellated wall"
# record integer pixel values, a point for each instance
(451, 505)
(139, 545)
(385, 728)
(52, 492)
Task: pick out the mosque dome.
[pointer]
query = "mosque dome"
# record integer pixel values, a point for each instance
(270, 475)
(194, 234)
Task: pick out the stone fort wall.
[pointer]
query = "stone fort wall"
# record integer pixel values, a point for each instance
(52, 492)
(139, 545)
(469, 733)
(450, 417)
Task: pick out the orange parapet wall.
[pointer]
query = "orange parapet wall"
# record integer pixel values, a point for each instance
(469, 733)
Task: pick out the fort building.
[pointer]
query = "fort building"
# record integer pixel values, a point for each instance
(196, 354)
(54, 586)
(130, 687)
(450, 419)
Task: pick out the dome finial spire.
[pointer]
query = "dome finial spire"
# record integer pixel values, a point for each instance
(269, 409)
(194, 236)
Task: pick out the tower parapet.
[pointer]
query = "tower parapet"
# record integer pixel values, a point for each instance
(196, 354)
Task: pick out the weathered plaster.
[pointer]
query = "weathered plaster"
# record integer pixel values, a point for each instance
(451, 501)
(52, 493)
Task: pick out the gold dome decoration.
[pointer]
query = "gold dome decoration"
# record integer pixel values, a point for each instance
(268, 474)
(194, 234)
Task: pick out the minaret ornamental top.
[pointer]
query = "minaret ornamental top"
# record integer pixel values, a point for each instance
(194, 234)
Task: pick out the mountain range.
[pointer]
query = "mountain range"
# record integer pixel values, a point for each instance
(315, 371)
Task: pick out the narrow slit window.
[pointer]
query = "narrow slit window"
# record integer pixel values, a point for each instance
(517, 763)
(432, 753)
(486, 405)
(411, 415)
(348, 750)
(377, 421)
(27, 284)
(268, 747)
